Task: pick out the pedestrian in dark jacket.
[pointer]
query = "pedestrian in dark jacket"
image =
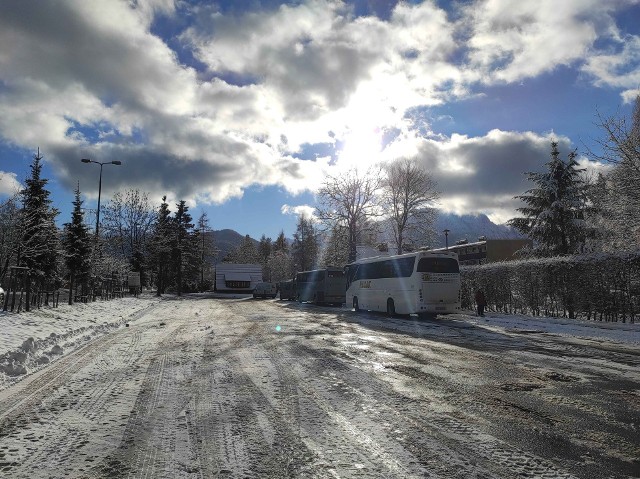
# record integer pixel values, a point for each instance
(481, 302)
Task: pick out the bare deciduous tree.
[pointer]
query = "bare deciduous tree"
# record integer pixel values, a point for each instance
(408, 197)
(349, 200)
(621, 142)
(10, 234)
(621, 147)
(127, 225)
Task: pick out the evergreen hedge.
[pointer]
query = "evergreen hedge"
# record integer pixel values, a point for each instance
(602, 287)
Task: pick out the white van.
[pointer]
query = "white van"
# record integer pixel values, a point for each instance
(264, 290)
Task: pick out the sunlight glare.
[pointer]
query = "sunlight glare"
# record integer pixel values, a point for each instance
(361, 148)
(365, 116)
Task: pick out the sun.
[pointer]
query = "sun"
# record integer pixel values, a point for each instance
(364, 120)
(361, 148)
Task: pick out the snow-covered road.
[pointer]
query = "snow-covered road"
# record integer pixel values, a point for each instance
(206, 387)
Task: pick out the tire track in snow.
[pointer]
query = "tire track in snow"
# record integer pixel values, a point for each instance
(461, 437)
(59, 408)
(141, 453)
(355, 452)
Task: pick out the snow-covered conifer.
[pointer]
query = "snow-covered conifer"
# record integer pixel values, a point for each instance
(555, 208)
(76, 241)
(160, 246)
(304, 249)
(39, 246)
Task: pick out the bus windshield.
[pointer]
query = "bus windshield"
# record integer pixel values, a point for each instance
(438, 265)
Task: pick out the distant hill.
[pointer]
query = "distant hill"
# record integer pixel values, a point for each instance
(227, 240)
(470, 227)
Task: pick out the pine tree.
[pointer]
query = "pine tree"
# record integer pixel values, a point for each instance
(280, 266)
(555, 209)
(265, 246)
(305, 246)
(161, 246)
(245, 253)
(336, 251)
(40, 238)
(184, 245)
(77, 245)
(207, 249)
(281, 244)
(597, 217)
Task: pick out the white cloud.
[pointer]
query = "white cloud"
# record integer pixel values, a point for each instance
(9, 185)
(484, 174)
(511, 41)
(85, 79)
(619, 68)
(299, 210)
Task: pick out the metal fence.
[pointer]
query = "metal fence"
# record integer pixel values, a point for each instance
(26, 289)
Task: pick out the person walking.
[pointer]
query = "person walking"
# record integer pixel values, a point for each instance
(481, 302)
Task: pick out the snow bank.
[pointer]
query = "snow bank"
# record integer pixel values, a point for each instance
(30, 340)
(627, 333)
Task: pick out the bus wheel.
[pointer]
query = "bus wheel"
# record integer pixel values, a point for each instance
(391, 308)
(356, 307)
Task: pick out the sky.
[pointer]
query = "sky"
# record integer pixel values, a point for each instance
(243, 107)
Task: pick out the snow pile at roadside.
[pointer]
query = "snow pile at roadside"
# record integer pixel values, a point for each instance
(29, 340)
(627, 333)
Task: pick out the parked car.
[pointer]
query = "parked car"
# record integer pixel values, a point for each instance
(265, 290)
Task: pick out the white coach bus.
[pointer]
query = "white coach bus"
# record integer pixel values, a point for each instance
(424, 283)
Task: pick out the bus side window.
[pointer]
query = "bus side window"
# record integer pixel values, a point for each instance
(350, 274)
(406, 266)
(362, 271)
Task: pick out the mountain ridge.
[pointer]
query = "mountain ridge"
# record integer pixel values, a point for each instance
(471, 227)
(468, 227)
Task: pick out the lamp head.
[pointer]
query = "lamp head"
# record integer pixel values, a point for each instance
(116, 162)
(85, 160)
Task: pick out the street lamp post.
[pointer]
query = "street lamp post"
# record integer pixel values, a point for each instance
(87, 160)
(446, 239)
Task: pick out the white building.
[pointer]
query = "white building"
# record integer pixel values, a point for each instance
(237, 278)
